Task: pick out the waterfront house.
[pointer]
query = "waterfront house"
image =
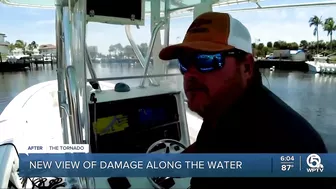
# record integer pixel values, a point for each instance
(48, 52)
(47, 49)
(4, 46)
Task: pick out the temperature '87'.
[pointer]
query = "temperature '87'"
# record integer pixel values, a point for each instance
(286, 167)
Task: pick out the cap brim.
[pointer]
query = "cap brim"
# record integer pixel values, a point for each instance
(175, 51)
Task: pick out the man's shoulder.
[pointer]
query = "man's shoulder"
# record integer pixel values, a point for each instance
(290, 125)
(275, 109)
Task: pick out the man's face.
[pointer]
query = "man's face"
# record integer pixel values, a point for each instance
(212, 91)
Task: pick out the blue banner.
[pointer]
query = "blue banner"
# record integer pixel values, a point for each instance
(178, 165)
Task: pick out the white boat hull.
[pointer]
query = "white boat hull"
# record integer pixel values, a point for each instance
(321, 67)
(33, 116)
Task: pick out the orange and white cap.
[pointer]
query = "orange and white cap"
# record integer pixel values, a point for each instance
(212, 32)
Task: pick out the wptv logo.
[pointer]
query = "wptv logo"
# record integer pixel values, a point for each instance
(314, 163)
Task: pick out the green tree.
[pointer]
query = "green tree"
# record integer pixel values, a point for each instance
(260, 46)
(303, 44)
(329, 26)
(283, 45)
(112, 49)
(31, 46)
(293, 46)
(120, 49)
(20, 44)
(11, 46)
(128, 51)
(276, 45)
(316, 21)
(265, 51)
(143, 47)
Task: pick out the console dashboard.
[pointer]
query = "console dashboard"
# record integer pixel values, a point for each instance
(132, 125)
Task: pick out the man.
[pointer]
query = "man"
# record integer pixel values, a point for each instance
(224, 86)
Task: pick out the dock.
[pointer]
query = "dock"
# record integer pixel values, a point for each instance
(283, 64)
(23, 65)
(36, 63)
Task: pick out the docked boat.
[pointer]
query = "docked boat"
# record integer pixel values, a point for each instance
(13, 67)
(321, 64)
(15, 63)
(65, 111)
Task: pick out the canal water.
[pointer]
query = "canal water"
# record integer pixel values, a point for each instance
(312, 95)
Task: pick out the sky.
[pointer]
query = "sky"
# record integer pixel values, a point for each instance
(290, 24)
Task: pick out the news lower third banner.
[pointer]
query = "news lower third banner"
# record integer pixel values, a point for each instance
(177, 165)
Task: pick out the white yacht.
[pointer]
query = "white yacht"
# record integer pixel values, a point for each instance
(17, 56)
(63, 111)
(321, 64)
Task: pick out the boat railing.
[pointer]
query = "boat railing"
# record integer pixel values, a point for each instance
(64, 108)
(143, 61)
(320, 60)
(134, 77)
(71, 85)
(68, 26)
(150, 49)
(88, 60)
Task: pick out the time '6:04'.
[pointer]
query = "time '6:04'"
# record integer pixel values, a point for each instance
(286, 158)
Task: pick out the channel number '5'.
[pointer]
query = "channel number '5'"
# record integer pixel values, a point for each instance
(314, 162)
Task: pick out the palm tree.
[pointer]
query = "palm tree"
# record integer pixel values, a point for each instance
(111, 49)
(34, 44)
(20, 44)
(31, 46)
(329, 26)
(11, 46)
(119, 49)
(316, 22)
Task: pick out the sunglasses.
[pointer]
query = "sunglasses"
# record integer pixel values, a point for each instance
(207, 62)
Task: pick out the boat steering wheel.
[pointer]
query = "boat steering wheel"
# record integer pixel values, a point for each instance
(171, 146)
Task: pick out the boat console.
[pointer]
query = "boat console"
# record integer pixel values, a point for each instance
(141, 120)
(132, 125)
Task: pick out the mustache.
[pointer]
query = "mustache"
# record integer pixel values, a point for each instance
(193, 84)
